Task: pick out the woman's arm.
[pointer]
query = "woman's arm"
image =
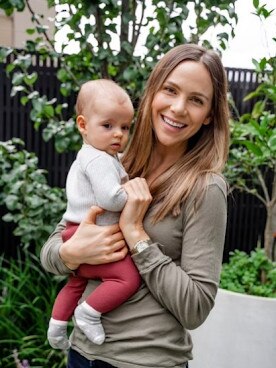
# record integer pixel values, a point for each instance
(91, 244)
(188, 291)
(49, 254)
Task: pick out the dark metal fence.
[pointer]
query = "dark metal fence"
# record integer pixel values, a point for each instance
(246, 215)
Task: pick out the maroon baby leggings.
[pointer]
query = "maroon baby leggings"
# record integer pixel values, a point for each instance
(120, 280)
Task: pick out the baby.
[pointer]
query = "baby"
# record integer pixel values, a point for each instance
(104, 115)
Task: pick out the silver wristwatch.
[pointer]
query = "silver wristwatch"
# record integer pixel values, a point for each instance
(140, 246)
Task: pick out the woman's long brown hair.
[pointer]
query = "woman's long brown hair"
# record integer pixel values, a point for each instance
(207, 150)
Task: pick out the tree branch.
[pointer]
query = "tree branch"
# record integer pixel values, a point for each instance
(137, 26)
(124, 26)
(273, 195)
(263, 185)
(51, 43)
(249, 191)
(100, 32)
(39, 24)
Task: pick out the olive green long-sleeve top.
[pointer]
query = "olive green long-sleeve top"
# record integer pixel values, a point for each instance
(180, 272)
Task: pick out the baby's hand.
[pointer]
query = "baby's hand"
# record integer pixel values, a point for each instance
(131, 220)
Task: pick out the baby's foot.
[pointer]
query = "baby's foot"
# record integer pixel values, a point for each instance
(89, 321)
(57, 334)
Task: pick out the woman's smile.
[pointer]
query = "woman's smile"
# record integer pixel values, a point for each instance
(173, 123)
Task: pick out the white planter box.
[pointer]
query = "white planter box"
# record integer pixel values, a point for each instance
(240, 332)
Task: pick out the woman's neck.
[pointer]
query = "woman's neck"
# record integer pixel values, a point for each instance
(161, 160)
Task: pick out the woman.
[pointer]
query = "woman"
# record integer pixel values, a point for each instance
(173, 223)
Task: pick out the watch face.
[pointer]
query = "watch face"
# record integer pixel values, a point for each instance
(141, 246)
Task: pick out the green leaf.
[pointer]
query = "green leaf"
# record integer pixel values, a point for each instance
(263, 63)
(38, 105)
(52, 101)
(272, 142)
(42, 29)
(64, 90)
(49, 111)
(60, 107)
(256, 64)
(30, 31)
(35, 201)
(252, 147)
(17, 78)
(127, 47)
(23, 61)
(33, 95)
(11, 202)
(62, 75)
(18, 4)
(129, 74)
(250, 95)
(24, 100)
(258, 109)
(4, 52)
(17, 89)
(10, 68)
(256, 3)
(8, 217)
(30, 79)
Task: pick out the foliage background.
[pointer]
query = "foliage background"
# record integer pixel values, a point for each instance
(32, 205)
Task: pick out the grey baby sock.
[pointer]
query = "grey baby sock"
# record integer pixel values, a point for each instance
(57, 334)
(89, 321)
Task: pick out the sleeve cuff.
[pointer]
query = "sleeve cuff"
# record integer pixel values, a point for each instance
(62, 268)
(150, 258)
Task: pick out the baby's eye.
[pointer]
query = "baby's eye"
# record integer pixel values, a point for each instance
(125, 127)
(107, 125)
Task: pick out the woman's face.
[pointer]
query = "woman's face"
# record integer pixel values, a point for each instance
(182, 105)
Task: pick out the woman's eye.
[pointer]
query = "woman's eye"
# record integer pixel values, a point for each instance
(169, 89)
(197, 100)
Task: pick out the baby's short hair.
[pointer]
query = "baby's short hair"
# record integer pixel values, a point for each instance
(106, 87)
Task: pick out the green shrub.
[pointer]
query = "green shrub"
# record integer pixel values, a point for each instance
(252, 274)
(27, 294)
(31, 203)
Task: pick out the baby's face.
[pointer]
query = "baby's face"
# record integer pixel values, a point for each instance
(107, 126)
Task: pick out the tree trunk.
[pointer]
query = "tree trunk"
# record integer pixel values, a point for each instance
(268, 235)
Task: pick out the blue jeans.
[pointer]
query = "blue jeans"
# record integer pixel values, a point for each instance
(75, 360)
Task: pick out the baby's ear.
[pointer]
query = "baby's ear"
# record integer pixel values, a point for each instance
(81, 124)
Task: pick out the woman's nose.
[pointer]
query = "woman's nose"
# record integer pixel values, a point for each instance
(178, 106)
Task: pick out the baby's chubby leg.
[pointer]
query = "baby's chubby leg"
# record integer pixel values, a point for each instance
(57, 334)
(120, 280)
(89, 321)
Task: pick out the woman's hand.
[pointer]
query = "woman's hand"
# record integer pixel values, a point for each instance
(93, 244)
(131, 220)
